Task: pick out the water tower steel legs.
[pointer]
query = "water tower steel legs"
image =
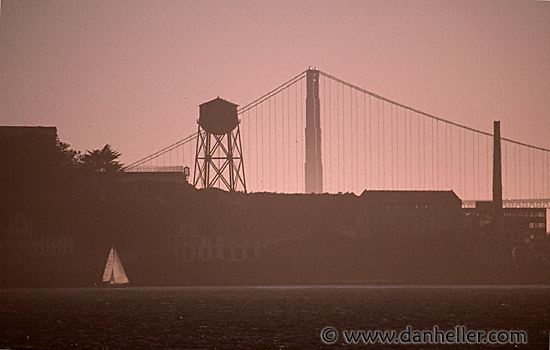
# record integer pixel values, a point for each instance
(313, 165)
(216, 160)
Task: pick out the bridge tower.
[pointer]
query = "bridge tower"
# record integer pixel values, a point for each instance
(219, 156)
(313, 165)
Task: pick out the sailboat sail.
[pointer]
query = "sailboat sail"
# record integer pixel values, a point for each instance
(114, 271)
(119, 275)
(109, 266)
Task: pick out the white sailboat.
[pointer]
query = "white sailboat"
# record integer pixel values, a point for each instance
(114, 274)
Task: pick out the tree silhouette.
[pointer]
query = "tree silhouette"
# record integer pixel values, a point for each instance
(102, 161)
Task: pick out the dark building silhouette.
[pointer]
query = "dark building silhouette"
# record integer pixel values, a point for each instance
(46, 132)
(189, 244)
(522, 223)
(518, 224)
(413, 213)
(19, 241)
(163, 177)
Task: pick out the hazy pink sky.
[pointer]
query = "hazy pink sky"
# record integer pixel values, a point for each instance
(132, 73)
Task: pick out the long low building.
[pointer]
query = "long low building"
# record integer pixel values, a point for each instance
(518, 223)
(188, 244)
(399, 213)
(18, 240)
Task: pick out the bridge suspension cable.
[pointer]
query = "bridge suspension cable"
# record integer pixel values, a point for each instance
(368, 142)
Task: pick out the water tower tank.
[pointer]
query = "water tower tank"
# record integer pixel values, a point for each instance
(218, 116)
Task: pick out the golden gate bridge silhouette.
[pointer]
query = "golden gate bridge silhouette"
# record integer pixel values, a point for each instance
(316, 133)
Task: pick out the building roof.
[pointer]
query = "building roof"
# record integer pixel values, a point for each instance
(7, 132)
(411, 197)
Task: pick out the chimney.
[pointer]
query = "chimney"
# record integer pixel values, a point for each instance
(497, 177)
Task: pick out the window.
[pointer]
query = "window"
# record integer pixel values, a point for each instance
(238, 254)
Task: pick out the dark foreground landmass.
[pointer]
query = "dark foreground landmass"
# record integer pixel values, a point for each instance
(308, 235)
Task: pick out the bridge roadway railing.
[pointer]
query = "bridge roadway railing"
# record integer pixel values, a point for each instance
(515, 203)
(156, 169)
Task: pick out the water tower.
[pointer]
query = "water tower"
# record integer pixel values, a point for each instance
(219, 156)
